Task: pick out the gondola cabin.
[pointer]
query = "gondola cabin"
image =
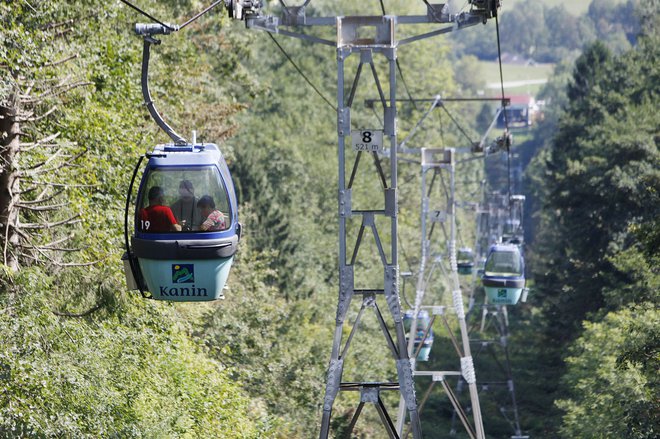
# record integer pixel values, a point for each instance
(504, 274)
(481, 264)
(186, 228)
(423, 322)
(465, 261)
(520, 113)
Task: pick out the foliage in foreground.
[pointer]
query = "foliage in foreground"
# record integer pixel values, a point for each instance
(79, 357)
(129, 370)
(613, 376)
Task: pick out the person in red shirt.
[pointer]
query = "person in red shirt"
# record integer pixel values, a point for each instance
(157, 218)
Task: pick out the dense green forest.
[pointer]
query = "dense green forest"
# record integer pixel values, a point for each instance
(548, 32)
(81, 356)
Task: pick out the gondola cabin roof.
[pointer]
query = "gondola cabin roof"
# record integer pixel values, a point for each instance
(183, 155)
(504, 248)
(465, 250)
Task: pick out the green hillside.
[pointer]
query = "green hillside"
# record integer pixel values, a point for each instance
(84, 356)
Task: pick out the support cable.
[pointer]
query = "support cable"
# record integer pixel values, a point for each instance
(460, 237)
(499, 58)
(307, 80)
(506, 122)
(327, 101)
(168, 26)
(460, 128)
(430, 6)
(403, 252)
(442, 130)
(421, 406)
(200, 14)
(150, 17)
(398, 67)
(285, 6)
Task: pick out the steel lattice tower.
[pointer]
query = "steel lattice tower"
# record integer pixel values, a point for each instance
(382, 41)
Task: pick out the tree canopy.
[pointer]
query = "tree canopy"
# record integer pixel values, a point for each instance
(595, 264)
(83, 357)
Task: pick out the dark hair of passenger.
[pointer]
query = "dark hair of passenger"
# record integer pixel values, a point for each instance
(155, 192)
(206, 201)
(186, 184)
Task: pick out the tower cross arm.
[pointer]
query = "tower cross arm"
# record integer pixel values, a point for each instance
(251, 11)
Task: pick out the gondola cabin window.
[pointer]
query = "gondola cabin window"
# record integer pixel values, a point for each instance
(187, 199)
(504, 263)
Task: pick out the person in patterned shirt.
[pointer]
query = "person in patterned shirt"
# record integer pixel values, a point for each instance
(215, 220)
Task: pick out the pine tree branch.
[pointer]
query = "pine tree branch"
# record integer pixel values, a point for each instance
(26, 99)
(47, 208)
(63, 32)
(41, 197)
(29, 118)
(67, 22)
(40, 145)
(34, 171)
(28, 190)
(32, 145)
(45, 141)
(75, 264)
(45, 162)
(55, 249)
(65, 185)
(58, 24)
(57, 263)
(61, 61)
(62, 250)
(52, 243)
(41, 226)
(22, 234)
(51, 246)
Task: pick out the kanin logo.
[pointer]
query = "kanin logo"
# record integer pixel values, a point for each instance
(183, 273)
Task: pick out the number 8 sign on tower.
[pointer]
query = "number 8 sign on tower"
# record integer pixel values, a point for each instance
(367, 140)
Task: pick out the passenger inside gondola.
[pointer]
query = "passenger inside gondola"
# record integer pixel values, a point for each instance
(185, 208)
(215, 220)
(504, 263)
(157, 218)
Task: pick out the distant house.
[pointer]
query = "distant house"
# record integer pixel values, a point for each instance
(522, 112)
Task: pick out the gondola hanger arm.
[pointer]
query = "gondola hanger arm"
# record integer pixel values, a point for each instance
(147, 31)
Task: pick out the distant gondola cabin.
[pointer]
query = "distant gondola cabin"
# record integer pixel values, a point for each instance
(465, 260)
(520, 113)
(504, 274)
(423, 322)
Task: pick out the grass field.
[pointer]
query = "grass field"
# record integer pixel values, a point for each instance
(514, 73)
